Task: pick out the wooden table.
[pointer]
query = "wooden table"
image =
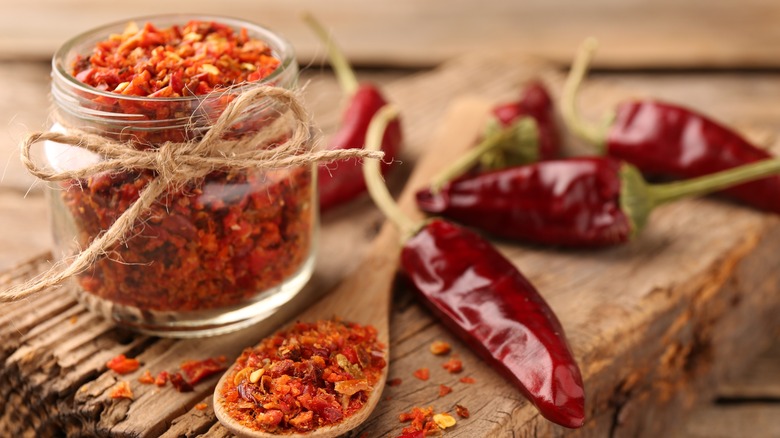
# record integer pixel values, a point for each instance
(744, 403)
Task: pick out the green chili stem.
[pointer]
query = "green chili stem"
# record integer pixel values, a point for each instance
(373, 175)
(662, 193)
(524, 130)
(571, 115)
(338, 61)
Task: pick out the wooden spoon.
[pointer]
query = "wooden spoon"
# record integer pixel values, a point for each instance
(364, 297)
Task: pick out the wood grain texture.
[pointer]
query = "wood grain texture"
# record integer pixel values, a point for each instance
(654, 324)
(640, 33)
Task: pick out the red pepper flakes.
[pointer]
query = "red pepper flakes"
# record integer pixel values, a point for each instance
(313, 374)
(444, 390)
(178, 382)
(462, 411)
(121, 390)
(422, 374)
(394, 382)
(440, 347)
(122, 364)
(201, 406)
(453, 365)
(146, 378)
(197, 58)
(161, 379)
(214, 243)
(421, 421)
(468, 380)
(197, 370)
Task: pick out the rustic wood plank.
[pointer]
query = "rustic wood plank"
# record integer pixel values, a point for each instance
(661, 33)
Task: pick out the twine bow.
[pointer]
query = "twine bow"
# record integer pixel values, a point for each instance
(175, 164)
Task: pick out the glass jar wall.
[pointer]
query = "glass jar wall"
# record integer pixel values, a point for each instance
(211, 255)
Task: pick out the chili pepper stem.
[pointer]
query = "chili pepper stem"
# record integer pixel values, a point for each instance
(594, 135)
(638, 198)
(373, 174)
(338, 61)
(524, 132)
(662, 193)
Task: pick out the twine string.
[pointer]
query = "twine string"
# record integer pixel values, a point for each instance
(177, 163)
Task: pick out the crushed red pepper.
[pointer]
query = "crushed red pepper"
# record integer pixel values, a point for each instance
(196, 58)
(216, 242)
(146, 378)
(197, 370)
(201, 406)
(444, 390)
(121, 364)
(467, 380)
(422, 373)
(312, 375)
(462, 411)
(421, 421)
(394, 382)
(453, 365)
(161, 379)
(121, 390)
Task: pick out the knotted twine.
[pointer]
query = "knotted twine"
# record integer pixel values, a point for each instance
(175, 164)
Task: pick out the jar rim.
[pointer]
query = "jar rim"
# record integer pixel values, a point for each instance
(280, 46)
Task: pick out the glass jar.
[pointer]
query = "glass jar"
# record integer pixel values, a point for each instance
(215, 255)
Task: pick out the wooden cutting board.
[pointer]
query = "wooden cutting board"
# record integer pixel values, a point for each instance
(653, 324)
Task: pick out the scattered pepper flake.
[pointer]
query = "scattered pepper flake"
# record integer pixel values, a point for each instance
(444, 420)
(201, 406)
(453, 365)
(421, 421)
(73, 319)
(314, 374)
(121, 390)
(161, 379)
(178, 382)
(444, 390)
(197, 370)
(422, 374)
(462, 411)
(146, 378)
(440, 347)
(122, 364)
(468, 380)
(395, 382)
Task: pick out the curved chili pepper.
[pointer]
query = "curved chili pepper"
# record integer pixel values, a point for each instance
(582, 201)
(342, 180)
(480, 295)
(483, 298)
(668, 140)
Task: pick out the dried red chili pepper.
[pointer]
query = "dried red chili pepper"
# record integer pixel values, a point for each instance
(456, 272)
(342, 180)
(668, 140)
(121, 390)
(312, 375)
(582, 201)
(534, 102)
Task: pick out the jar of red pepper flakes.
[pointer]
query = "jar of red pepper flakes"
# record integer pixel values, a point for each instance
(221, 252)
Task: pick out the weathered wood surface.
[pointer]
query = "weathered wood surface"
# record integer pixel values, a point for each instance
(642, 33)
(654, 324)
